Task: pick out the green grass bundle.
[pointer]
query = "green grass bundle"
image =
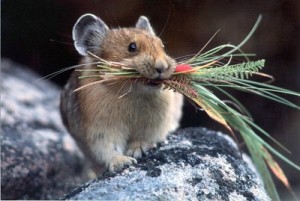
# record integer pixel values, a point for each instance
(199, 76)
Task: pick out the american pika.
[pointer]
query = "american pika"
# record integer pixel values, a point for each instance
(112, 130)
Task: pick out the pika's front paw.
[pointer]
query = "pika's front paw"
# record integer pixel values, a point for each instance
(136, 149)
(118, 162)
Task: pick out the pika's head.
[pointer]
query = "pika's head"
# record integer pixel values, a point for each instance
(136, 47)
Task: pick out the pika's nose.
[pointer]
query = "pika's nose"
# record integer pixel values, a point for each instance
(161, 65)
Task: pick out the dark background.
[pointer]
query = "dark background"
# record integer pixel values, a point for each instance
(38, 34)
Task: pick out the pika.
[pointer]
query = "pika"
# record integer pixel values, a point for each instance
(114, 131)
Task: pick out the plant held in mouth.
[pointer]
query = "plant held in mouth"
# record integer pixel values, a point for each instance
(197, 77)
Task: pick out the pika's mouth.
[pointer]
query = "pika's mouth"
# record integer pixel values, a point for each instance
(153, 83)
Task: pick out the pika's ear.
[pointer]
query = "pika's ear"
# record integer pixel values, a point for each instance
(143, 23)
(88, 33)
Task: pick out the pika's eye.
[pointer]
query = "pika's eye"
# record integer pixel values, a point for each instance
(132, 47)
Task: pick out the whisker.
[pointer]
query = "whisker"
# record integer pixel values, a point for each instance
(122, 88)
(64, 70)
(61, 42)
(63, 34)
(127, 92)
(136, 79)
(131, 85)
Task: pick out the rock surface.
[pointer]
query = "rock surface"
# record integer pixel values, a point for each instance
(194, 164)
(39, 160)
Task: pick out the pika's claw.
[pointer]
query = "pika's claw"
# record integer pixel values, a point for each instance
(118, 162)
(136, 149)
(135, 152)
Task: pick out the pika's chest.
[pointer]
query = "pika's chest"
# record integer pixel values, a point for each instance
(108, 105)
(142, 107)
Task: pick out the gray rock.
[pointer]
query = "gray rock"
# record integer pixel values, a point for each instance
(194, 164)
(39, 160)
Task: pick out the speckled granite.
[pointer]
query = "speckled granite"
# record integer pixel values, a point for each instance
(195, 164)
(39, 160)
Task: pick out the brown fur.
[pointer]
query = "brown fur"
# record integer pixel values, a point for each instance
(117, 122)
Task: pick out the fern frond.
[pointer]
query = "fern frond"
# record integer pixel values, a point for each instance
(229, 72)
